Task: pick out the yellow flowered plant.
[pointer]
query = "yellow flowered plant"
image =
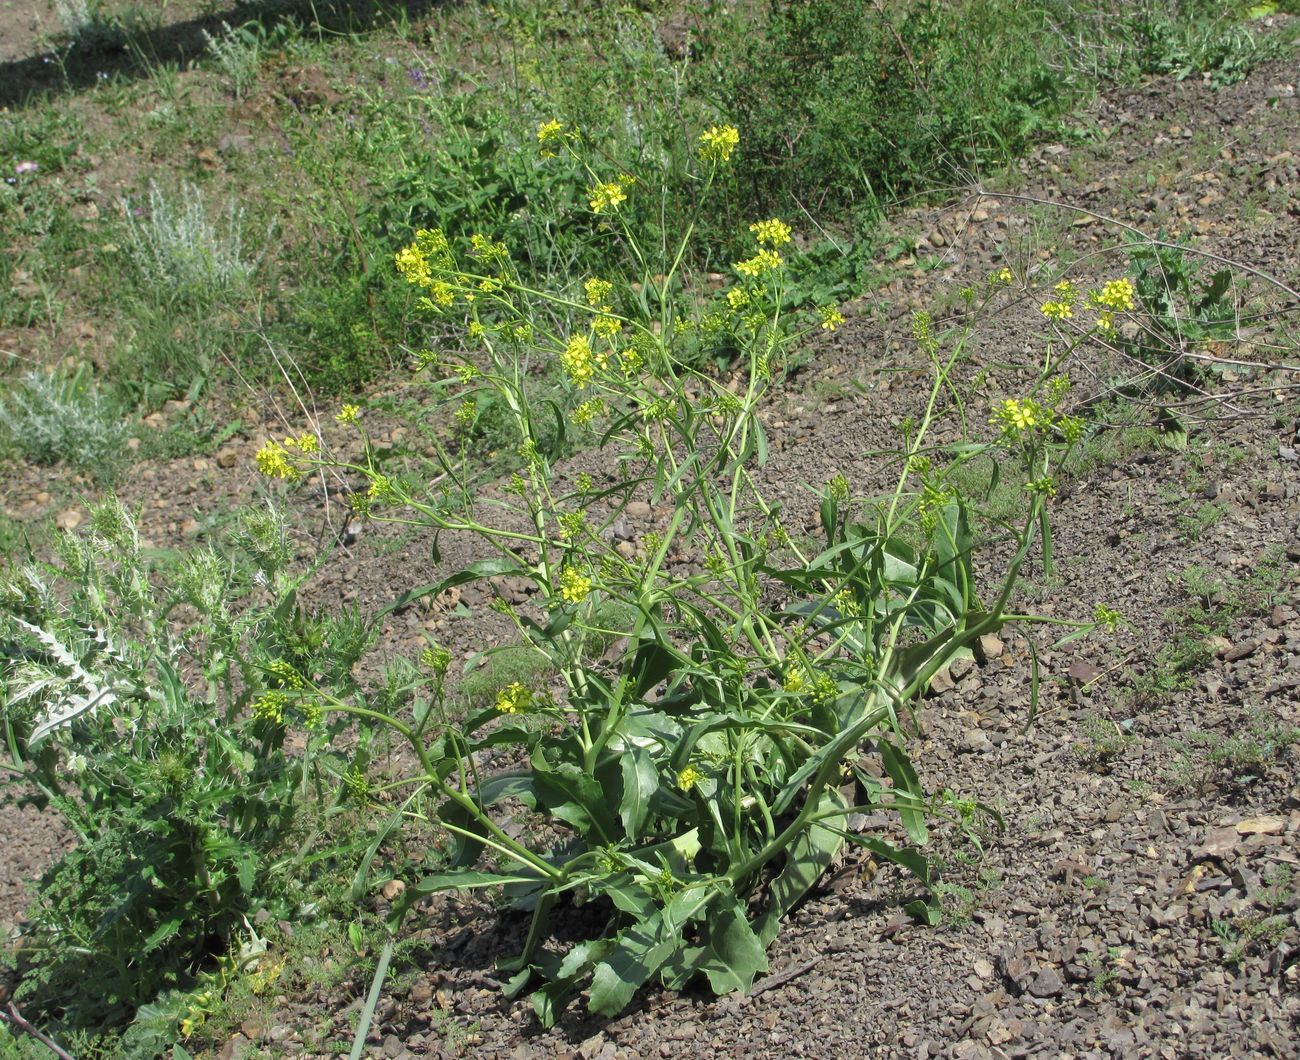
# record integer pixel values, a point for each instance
(688, 778)
(773, 233)
(273, 462)
(549, 133)
(765, 260)
(1117, 295)
(580, 362)
(574, 585)
(1056, 310)
(718, 142)
(348, 414)
(1017, 417)
(831, 318)
(597, 291)
(609, 195)
(514, 698)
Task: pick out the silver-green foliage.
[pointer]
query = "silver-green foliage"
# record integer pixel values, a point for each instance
(50, 419)
(237, 53)
(146, 703)
(178, 247)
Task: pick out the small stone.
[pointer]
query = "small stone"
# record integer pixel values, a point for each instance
(1218, 844)
(1242, 650)
(637, 510)
(68, 519)
(976, 741)
(228, 457)
(393, 1046)
(1047, 983)
(1261, 826)
(983, 968)
(392, 889)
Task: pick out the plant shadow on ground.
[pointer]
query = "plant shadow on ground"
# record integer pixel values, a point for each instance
(135, 48)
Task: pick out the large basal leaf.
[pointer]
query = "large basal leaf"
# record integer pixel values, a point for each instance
(732, 953)
(640, 952)
(806, 860)
(640, 782)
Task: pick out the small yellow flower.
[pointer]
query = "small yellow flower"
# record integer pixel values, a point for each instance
(572, 525)
(607, 326)
(1067, 292)
(688, 778)
(773, 233)
(580, 362)
(548, 133)
(598, 291)
(574, 586)
(718, 142)
(795, 679)
(414, 266)
(307, 443)
(609, 195)
(1002, 278)
(737, 299)
(765, 260)
(1057, 310)
(1118, 295)
(269, 706)
(832, 318)
(1106, 323)
(476, 329)
(588, 411)
(1016, 417)
(273, 462)
(348, 414)
(514, 699)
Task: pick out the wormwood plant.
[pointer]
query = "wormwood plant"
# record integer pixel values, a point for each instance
(694, 781)
(153, 720)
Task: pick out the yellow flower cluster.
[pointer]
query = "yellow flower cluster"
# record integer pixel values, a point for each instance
(549, 133)
(348, 414)
(773, 233)
(275, 459)
(609, 195)
(1056, 310)
(574, 586)
(1116, 295)
(580, 362)
(1017, 417)
(831, 318)
(514, 699)
(718, 142)
(688, 778)
(588, 411)
(766, 260)
(269, 706)
(598, 292)
(795, 679)
(417, 262)
(1004, 277)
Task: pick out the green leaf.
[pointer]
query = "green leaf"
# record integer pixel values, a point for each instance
(467, 880)
(641, 950)
(913, 860)
(733, 954)
(806, 859)
(485, 568)
(640, 782)
(899, 768)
